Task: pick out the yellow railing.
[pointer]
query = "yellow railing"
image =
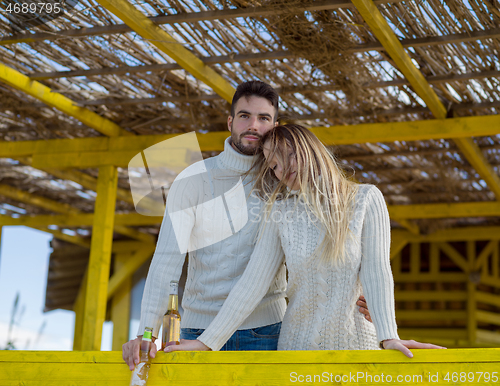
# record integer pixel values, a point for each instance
(436, 367)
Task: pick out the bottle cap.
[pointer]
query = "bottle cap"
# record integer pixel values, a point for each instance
(148, 334)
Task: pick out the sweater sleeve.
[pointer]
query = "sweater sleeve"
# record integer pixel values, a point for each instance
(376, 274)
(170, 253)
(244, 297)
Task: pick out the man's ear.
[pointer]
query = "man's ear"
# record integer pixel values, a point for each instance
(229, 121)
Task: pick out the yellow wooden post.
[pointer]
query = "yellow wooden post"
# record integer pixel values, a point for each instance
(471, 295)
(78, 307)
(120, 305)
(100, 257)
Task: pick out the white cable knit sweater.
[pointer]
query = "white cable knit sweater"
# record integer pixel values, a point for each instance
(214, 269)
(321, 314)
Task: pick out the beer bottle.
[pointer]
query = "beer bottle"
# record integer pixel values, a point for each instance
(141, 370)
(172, 318)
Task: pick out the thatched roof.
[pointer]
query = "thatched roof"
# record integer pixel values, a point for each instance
(322, 57)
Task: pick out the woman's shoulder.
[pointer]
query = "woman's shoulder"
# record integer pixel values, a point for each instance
(368, 193)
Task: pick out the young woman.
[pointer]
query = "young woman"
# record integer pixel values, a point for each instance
(335, 235)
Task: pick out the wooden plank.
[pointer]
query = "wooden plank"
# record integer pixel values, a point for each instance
(488, 336)
(430, 315)
(431, 278)
(402, 295)
(432, 333)
(100, 258)
(491, 299)
(454, 234)
(79, 308)
(484, 355)
(488, 317)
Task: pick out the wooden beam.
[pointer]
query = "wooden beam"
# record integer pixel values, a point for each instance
(128, 268)
(79, 220)
(55, 206)
(43, 93)
(187, 17)
(381, 29)
(466, 209)
(167, 44)
(79, 309)
(453, 234)
(120, 306)
(100, 258)
(463, 127)
(472, 318)
(214, 141)
(77, 240)
(84, 179)
(455, 256)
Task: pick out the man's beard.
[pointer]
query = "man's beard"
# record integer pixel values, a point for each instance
(248, 149)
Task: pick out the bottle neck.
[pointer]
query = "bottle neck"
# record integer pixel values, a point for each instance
(173, 302)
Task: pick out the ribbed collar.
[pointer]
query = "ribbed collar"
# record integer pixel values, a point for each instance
(232, 160)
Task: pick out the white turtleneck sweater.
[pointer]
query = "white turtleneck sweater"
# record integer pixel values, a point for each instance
(213, 268)
(321, 314)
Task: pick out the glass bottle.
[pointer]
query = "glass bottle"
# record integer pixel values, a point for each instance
(141, 370)
(172, 318)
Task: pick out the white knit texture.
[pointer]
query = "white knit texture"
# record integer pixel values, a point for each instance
(321, 314)
(214, 269)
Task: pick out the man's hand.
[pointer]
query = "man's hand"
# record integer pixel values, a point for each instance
(188, 345)
(405, 345)
(363, 308)
(131, 349)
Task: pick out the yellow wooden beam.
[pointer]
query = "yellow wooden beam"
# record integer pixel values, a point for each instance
(81, 220)
(491, 299)
(79, 309)
(471, 295)
(430, 315)
(396, 51)
(454, 210)
(411, 227)
(455, 256)
(384, 33)
(77, 240)
(55, 206)
(43, 93)
(478, 161)
(128, 267)
(100, 258)
(432, 333)
(167, 44)
(334, 135)
(417, 296)
(453, 234)
(441, 277)
(483, 256)
(491, 337)
(120, 306)
(85, 180)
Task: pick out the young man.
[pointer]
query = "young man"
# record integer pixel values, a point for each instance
(214, 268)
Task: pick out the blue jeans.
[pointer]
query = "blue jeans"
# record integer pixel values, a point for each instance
(260, 338)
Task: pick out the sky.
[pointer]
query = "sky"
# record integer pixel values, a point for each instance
(24, 258)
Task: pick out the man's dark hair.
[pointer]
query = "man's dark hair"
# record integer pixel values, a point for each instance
(258, 89)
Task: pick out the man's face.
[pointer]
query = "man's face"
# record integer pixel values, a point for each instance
(253, 117)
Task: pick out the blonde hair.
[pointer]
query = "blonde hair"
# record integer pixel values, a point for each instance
(322, 183)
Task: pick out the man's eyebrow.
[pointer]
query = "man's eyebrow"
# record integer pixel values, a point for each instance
(259, 114)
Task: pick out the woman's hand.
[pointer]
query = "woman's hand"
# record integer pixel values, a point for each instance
(405, 345)
(188, 345)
